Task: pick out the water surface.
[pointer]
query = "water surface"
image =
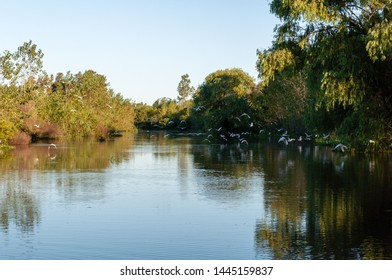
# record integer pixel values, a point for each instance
(147, 196)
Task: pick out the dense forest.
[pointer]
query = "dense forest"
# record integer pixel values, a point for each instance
(326, 74)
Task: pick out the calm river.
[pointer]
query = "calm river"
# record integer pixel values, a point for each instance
(147, 196)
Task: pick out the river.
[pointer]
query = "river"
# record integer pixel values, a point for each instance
(153, 196)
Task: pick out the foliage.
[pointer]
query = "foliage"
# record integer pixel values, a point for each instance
(7, 130)
(165, 112)
(37, 105)
(224, 96)
(184, 89)
(284, 101)
(344, 51)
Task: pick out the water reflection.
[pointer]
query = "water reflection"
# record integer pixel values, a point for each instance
(322, 205)
(18, 205)
(151, 196)
(27, 167)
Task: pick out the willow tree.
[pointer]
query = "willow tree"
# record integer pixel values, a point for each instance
(343, 48)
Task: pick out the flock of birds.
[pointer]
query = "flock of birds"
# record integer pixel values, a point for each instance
(220, 135)
(240, 138)
(285, 138)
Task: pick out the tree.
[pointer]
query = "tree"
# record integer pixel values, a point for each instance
(223, 96)
(185, 90)
(27, 64)
(6, 66)
(347, 44)
(283, 102)
(342, 48)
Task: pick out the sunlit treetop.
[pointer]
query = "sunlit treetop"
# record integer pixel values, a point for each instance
(347, 44)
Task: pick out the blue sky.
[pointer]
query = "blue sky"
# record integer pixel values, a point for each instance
(142, 47)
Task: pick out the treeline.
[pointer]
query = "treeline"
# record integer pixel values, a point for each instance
(36, 105)
(327, 73)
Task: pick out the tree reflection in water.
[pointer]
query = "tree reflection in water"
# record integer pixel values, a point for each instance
(17, 205)
(29, 167)
(299, 202)
(321, 205)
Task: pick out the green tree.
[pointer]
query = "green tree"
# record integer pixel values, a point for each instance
(223, 97)
(27, 64)
(342, 48)
(35, 105)
(185, 90)
(6, 66)
(283, 102)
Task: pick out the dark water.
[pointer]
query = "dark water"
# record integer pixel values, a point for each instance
(148, 196)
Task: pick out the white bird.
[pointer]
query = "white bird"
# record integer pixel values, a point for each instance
(308, 135)
(325, 137)
(223, 137)
(372, 142)
(52, 145)
(36, 125)
(245, 115)
(243, 141)
(170, 123)
(210, 135)
(284, 140)
(206, 140)
(199, 108)
(340, 147)
(110, 107)
(218, 129)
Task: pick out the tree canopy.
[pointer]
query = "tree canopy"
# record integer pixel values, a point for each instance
(343, 51)
(343, 45)
(185, 89)
(224, 95)
(37, 105)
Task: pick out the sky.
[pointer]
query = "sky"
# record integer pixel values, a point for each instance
(142, 47)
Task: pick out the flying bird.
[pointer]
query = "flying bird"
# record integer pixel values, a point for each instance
(283, 139)
(199, 108)
(245, 115)
(340, 147)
